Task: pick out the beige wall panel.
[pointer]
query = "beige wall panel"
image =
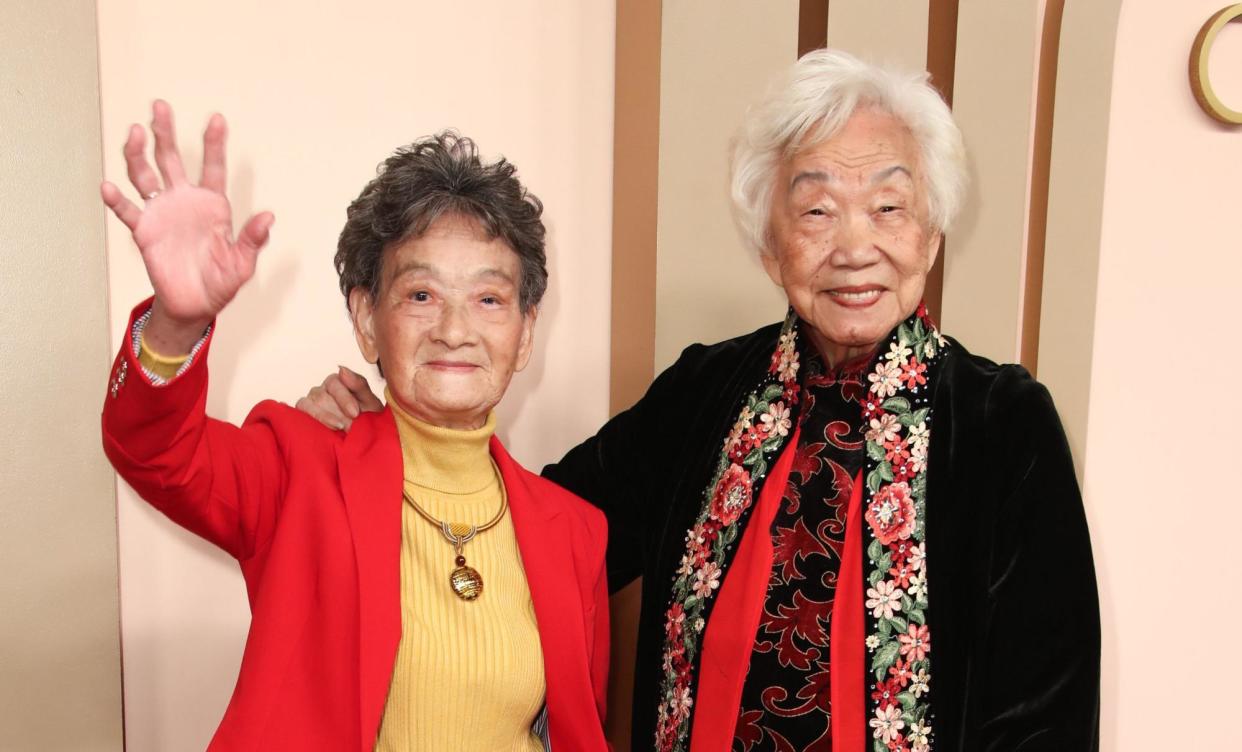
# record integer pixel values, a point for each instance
(716, 59)
(993, 102)
(60, 684)
(1164, 505)
(892, 32)
(1080, 136)
(317, 94)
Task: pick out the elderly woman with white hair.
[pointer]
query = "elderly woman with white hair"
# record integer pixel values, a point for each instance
(853, 533)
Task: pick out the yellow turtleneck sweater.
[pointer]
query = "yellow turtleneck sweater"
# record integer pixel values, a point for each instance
(468, 674)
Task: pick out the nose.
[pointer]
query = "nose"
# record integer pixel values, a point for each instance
(855, 243)
(454, 329)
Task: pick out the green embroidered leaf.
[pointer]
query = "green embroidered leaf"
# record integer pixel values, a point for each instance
(875, 451)
(884, 657)
(907, 700)
(878, 746)
(921, 414)
(754, 456)
(875, 577)
(898, 623)
(904, 335)
(760, 469)
(772, 392)
(908, 718)
(875, 551)
(874, 480)
(886, 471)
(907, 605)
(918, 488)
(920, 333)
(885, 563)
(899, 405)
(916, 615)
(885, 629)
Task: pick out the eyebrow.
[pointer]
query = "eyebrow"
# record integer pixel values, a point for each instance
(827, 177)
(415, 267)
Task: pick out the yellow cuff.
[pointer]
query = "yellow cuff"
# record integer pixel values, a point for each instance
(161, 365)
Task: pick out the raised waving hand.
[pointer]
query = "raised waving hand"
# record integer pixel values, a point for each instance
(185, 231)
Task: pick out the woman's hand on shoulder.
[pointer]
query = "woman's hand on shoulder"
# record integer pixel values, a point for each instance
(341, 397)
(185, 231)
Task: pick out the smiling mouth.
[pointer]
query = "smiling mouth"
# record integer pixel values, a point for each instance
(856, 297)
(450, 365)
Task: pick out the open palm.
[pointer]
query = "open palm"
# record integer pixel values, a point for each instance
(185, 231)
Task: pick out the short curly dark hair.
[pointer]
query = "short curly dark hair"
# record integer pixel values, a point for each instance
(430, 178)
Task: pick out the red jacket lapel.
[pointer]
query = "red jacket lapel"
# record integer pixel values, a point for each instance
(371, 469)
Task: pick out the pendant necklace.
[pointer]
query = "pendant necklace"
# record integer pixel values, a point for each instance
(465, 580)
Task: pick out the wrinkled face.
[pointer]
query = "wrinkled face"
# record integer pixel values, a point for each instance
(850, 243)
(447, 325)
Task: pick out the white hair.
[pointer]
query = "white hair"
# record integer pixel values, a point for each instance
(811, 103)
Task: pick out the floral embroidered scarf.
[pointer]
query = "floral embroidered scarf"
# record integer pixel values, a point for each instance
(897, 411)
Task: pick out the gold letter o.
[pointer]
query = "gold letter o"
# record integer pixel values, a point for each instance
(1200, 84)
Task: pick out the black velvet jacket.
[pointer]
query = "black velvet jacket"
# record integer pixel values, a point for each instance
(1014, 613)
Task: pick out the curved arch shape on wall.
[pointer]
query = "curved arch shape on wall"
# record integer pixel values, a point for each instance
(1075, 209)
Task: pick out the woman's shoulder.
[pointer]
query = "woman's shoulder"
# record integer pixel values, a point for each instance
(580, 512)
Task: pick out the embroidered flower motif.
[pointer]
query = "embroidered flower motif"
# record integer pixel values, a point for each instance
(918, 458)
(776, 419)
(917, 587)
(900, 672)
(887, 723)
(891, 513)
(707, 579)
(886, 692)
(897, 352)
(900, 572)
(884, 599)
(913, 374)
(732, 495)
(918, 557)
(920, 736)
(886, 379)
(884, 429)
(918, 683)
(873, 642)
(915, 642)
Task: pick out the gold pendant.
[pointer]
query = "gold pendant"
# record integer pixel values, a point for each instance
(466, 581)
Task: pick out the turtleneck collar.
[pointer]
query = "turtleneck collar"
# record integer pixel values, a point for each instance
(444, 459)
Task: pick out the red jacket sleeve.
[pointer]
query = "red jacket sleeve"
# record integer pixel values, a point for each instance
(217, 480)
(600, 648)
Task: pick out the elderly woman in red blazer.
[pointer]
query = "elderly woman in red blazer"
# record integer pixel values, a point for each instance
(412, 587)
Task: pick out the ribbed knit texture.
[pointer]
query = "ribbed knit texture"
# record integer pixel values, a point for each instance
(468, 674)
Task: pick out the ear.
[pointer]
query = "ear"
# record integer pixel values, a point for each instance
(933, 247)
(527, 345)
(772, 266)
(362, 312)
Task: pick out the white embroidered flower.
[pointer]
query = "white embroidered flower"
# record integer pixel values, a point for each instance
(887, 723)
(776, 419)
(886, 380)
(918, 458)
(883, 429)
(706, 579)
(929, 348)
(918, 587)
(898, 353)
(884, 599)
(699, 624)
(687, 566)
(918, 684)
(918, 557)
(873, 642)
(920, 737)
(787, 367)
(919, 433)
(682, 702)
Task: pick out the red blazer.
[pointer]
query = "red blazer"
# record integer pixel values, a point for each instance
(314, 518)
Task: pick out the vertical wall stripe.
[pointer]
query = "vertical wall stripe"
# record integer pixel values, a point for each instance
(812, 25)
(1041, 157)
(636, 150)
(941, 61)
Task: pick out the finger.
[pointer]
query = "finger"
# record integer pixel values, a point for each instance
(141, 176)
(167, 158)
(122, 207)
(323, 408)
(345, 399)
(357, 384)
(254, 235)
(215, 169)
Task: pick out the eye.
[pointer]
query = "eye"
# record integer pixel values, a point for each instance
(816, 212)
(489, 300)
(889, 209)
(420, 296)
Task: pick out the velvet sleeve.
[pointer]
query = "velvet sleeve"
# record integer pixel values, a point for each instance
(1036, 684)
(621, 471)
